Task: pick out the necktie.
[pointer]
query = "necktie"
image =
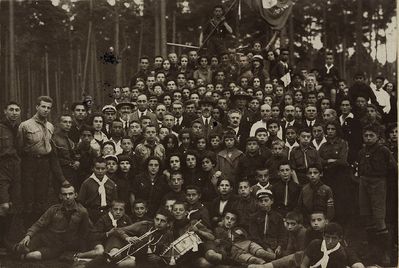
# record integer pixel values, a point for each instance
(206, 122)
(101, 189)
(265, 227)
(140, 114)
(306, 161)
(286, 194)
(114, 222)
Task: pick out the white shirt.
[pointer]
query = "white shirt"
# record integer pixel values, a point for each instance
(308, 122)
(342, 119)
(255, 126)
(290, 147)
(383, 99)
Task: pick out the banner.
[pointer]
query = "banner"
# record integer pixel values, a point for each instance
(274, 12)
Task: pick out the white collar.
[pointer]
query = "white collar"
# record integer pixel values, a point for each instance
(317, 146)
(342, 119)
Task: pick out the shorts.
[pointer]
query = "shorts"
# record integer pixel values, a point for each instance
(372, 197)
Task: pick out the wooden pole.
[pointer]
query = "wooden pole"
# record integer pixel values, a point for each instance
(163, 28)
(291, 37)
(87, 46)
(157, 28)
(359, 34)
(47, 73)
(140, 39)
(174, 29)
(12, 87)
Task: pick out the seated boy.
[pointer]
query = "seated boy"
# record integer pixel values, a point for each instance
(140, 211)
(266, 226)
(105, 226)
(296, 233)
(196, 210)
(316, 195)
(329, 252)
(175, 182)
(245, 203)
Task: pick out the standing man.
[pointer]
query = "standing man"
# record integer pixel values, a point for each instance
(142, 109)
(66, 150)
(79, 115)
(38, 159)
(10, 173)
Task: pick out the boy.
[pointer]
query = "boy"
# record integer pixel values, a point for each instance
(252, 160)
(219, 249)
(175, 182)
(375, 161)
(266, 226)
(318, 136)
(98, 191)
(263, 136)
(140, 211)
(316, 195)
(303, 156)
(296, 233)
(286, 190)
(291, 142)
(329, 252)
(112, 166)
(262, 178)
(245, 204)
(275, 132)
(105, 226)
(196, 210)
(279, 154)
(318, 222)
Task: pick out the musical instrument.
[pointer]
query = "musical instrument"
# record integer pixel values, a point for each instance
(186, 242)
(129, 250)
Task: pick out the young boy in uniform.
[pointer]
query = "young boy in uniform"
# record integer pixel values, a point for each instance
(316, 195)
(375, 161)
(262, 177)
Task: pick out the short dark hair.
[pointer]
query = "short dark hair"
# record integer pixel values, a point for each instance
(100, 160)
(11, 103)
(333, 228)
(295, 216)
(73, 106)
(44, 99)
(86, 128)
(192, 187)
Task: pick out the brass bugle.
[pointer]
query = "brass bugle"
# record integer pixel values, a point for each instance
(114, 257)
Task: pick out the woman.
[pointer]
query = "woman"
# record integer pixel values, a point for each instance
(166, 69)
(171, 144)
(204, 72)
(97, 122)
(150, 185)
(337, 173)
(256, 83)
(323, 104)
(183, 68)
(392, 116)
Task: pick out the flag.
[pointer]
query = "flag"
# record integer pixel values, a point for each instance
(274, 12)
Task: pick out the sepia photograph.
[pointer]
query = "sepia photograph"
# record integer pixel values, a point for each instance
(198, 134)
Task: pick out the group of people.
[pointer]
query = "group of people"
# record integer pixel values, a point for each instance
(235, 159)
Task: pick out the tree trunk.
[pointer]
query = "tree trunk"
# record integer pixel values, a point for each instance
(173, 29)
(12, 86)
(157, 27)
(291, 37)
(163, 28)
(88, 46)
(118, 69)
(359, 34)
(47, 73)
(140, 40)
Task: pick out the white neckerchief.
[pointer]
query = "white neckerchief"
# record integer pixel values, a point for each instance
(323, 262)
(317, 146)
(114, 222)
(101, 188)
(266, 187)
(222, 205)
(329, 68)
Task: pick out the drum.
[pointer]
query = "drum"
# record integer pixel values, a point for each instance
(179, 247)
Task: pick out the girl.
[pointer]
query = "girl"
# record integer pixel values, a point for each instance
(170, 143)
(223, 202)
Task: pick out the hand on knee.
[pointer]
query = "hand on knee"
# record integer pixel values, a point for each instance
(4, 208)
(34, 255)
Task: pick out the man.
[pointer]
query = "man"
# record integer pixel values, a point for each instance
(234, 122)
(219, 30)
(160, 112)
(192, 60)
(10, 172)
(117, 95)
(360, 88)
(266, 115)
(158, 60)
(282, 66)
(330, 115)
(109, 113)
(150, 146)
(240, 100)
(38, 158)
(117, 133)
(310, 116)
(245, 68)
(383, 98)
(125, 109)
(61, 228)
(208, 123)
(143, 71)
(79, 114)
(289, 119)
(169, 122)
(351, 130)
(181, 121)
(126, 94)
(142, 109)
(66, 149)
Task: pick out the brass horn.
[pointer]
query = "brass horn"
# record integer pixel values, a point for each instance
(125, 252)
